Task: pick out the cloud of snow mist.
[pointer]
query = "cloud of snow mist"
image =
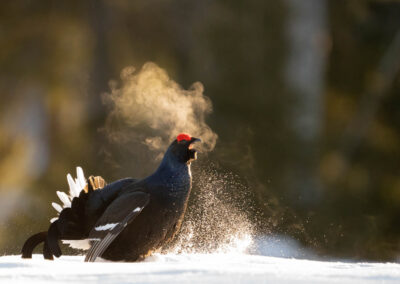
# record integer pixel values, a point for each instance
(158, 108)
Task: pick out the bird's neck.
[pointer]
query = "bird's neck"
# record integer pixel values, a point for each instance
(175, 175)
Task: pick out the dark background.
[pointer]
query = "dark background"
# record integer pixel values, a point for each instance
(305, 103)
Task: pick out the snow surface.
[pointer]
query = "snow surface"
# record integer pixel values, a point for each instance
(194, 268)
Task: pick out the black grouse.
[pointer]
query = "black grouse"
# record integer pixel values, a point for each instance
(124, 220)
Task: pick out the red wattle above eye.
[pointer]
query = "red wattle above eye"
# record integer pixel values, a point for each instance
(183, 136)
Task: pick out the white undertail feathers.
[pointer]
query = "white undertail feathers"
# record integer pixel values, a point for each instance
(75, 187)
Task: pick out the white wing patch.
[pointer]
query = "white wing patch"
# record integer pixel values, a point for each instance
(78, 244)
(75, 188)
(81, 244)
(137, 209)
(105, 227)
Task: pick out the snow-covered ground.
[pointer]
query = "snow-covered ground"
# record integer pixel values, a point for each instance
(268, 259)
(195, 268)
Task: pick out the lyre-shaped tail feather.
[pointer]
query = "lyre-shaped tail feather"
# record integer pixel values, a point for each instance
(31, 243)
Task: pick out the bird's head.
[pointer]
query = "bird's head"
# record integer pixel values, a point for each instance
(182, 148)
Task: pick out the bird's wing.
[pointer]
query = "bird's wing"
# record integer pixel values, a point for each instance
(117, 216)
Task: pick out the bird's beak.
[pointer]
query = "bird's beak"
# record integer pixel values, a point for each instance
(194, 139)
(192, 150)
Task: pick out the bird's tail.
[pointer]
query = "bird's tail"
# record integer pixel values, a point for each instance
(33, 242)
(70, 224)
(50, 240)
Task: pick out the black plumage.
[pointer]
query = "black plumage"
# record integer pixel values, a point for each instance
(129, 218)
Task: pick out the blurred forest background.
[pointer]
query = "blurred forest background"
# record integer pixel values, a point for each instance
(305, 101)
